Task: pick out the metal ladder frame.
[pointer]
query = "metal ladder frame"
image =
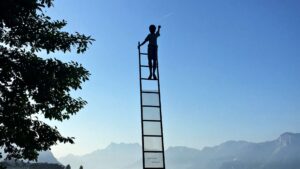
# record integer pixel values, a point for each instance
(141, 79)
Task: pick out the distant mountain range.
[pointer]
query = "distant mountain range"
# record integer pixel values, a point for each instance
(47, 157)
(281, 153)
(44, 157)
(46, 160)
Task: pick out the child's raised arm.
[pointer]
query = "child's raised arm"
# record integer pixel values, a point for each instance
(158, 31)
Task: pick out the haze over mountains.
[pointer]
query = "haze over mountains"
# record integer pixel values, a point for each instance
(281, 153)
(46, 160)
(44, 157)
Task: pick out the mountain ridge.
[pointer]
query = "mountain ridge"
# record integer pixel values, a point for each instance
(44, 157)
(230, 154)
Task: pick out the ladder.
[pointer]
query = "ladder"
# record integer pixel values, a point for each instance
(151, 117)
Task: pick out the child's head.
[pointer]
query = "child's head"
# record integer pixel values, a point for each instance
(152, 28)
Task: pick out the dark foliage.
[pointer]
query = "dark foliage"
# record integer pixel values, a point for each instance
(45, 166)
(68, 167)
(31, 85)
(22, 165)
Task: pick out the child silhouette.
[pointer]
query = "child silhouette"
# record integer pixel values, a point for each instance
(152, 49)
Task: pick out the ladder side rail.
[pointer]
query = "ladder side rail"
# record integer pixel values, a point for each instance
(141, 100)
(160, 111)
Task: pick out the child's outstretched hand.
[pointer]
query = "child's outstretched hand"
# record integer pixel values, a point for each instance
(159, 26)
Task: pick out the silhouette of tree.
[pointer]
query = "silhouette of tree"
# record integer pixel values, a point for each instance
(68, 166)
(81, 167)
(31, 85)
(2, 166)
(20, 165)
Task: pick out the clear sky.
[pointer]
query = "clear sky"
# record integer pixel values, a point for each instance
(230, 70)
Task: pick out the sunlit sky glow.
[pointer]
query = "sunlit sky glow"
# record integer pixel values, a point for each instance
(229, 70)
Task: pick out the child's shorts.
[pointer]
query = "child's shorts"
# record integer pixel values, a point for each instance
(152, 52)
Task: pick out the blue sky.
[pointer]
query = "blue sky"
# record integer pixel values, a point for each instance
(229, 70)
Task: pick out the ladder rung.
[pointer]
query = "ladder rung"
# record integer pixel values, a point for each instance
(148, 66)
(149, 91)
(153, 151)
(144, 53)
(144, 66)
(148, 79)
(152, 120)
(150, 106)
(152, 135)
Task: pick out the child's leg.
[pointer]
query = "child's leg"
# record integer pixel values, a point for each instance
(150, 67)
(154, 62)
(154, 66)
